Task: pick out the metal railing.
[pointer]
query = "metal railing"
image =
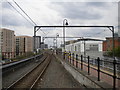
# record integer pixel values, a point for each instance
(95, 64)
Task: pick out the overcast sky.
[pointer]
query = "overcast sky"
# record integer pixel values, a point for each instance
(54, 12)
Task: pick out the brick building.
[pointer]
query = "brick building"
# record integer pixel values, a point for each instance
(108, 44)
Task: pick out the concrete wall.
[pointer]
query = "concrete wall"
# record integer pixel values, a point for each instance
(83, 78)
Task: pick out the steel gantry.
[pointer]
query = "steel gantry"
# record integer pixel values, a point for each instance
(111, 28)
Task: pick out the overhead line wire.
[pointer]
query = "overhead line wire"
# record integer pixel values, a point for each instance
(27, 15)
(24, 12)
(19, 12)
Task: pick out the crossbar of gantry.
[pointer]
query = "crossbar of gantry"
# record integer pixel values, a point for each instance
(70, 26)
(111, 28)
(37, 28)
(80, 38)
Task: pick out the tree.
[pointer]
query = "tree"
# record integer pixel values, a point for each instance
(117, 52)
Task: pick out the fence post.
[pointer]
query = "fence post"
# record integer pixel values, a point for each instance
(98, 60)
(88, 65)
(64, 55)
(67, 58)
(70, 57)
(81, 62)
(76, 60)
(73, 59)
(114, 75)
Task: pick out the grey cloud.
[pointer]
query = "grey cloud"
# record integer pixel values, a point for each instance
(12, 18)
(80, 14)
(5, 5)
(96, 4)
(13, 21)
(77, 10)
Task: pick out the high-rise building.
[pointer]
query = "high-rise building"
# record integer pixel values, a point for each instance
(37, 41)
(7, 43)
(44, 46)
(24, 44)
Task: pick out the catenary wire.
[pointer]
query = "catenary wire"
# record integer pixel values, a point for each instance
(19, 12)
(26, 14)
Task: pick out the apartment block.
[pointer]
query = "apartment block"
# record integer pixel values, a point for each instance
(24, 44)
(7, 43)
(37, 42)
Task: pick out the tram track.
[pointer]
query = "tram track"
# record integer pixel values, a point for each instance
(29, 80)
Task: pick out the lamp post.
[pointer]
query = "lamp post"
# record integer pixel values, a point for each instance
(84, 50)
(57, 35)
(54, 43)
(114, 62)
(65, 22)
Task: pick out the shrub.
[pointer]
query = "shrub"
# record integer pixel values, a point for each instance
(117, 52)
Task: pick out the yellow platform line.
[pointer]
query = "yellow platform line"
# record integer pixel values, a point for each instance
(103, 70)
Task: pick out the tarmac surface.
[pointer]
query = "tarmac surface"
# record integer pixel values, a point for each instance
(57, 77)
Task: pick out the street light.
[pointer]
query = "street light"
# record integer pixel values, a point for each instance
(57, 35)
(114, 62)
(65, 22)
(54, 43)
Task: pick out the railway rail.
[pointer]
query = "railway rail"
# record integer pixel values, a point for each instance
(29, 80)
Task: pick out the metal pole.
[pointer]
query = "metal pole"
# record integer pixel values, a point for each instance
(76, 60)
(70, 58)
(98, 60)
(84, 51)
(88, 65)
(56, 42)
(34, 39)
(43, 40)
(64, 35)
(114, 62)
(63, 41)
(73, 59)
(57, 35)
(81, 62)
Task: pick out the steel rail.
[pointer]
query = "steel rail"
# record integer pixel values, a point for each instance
(42, 72)
(15, 83)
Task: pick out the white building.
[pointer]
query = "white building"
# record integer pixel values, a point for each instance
(93, 49)
(119, 32)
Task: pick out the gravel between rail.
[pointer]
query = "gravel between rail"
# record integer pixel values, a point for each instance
(27, 81)
(57, 77)
(12, 76)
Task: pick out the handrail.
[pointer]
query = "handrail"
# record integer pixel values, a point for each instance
(97, 65)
